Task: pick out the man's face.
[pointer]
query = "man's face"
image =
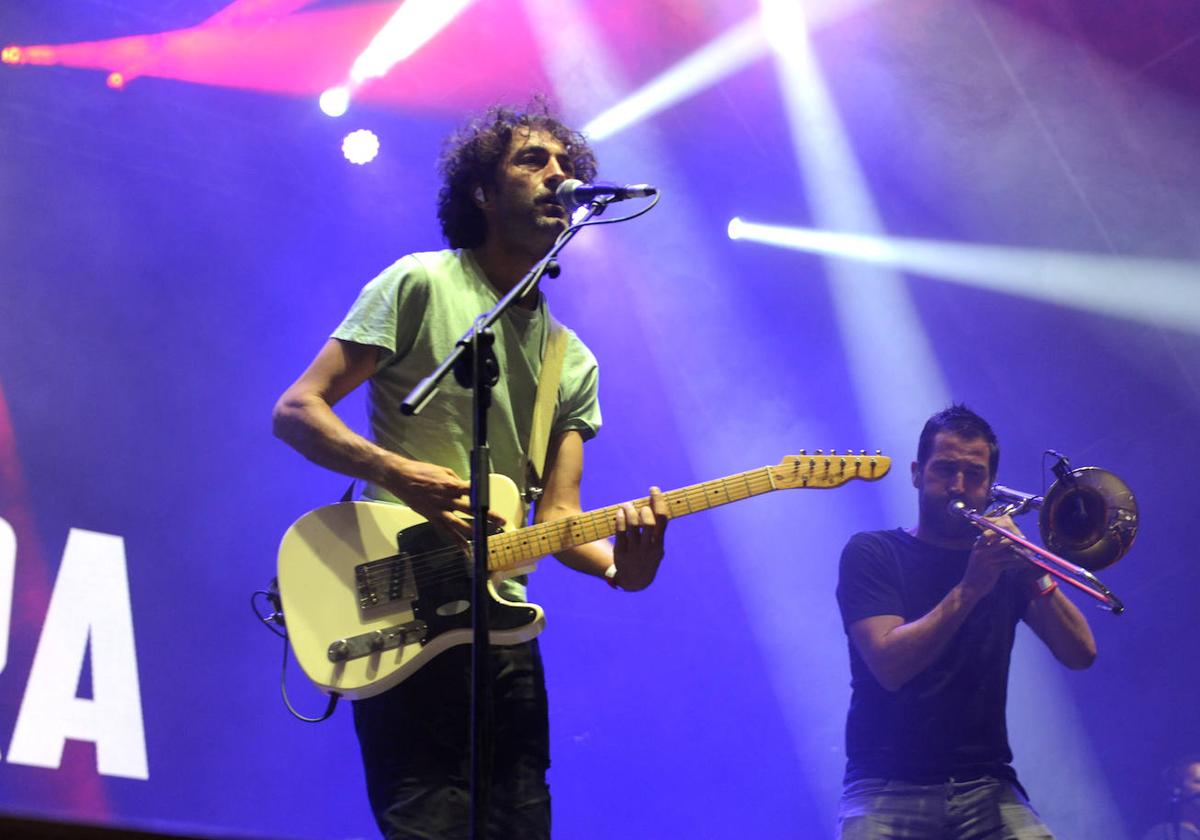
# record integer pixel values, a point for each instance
(521, 207)
(1189, 786)
(957, 468)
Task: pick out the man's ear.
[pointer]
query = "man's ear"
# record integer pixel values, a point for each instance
(478, 195)
(916, 475)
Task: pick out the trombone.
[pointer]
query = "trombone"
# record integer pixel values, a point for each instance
(1088, 517)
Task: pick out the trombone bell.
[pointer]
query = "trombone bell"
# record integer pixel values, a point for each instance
(1089, 517)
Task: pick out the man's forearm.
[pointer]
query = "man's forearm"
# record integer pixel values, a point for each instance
(908, 649)
(311, 427)
(591, 558)
(1063, 628)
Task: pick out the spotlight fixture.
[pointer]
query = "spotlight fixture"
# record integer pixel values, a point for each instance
(361, 146)
(335, 101)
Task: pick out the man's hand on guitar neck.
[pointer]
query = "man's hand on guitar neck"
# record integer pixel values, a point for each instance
(639, 542)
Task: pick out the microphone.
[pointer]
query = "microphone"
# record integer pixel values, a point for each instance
(575, 193)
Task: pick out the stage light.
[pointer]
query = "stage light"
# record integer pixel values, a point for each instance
(737, 48)
(335, 101)
(719, 58)
(829, 243)
(115, 81)
(361, 146)
(412, 26)
(893, 389)
(781, 20)
(28, 55)
(1164, 294)
(735, 228)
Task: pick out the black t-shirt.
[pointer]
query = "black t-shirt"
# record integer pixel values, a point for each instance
(949, 720)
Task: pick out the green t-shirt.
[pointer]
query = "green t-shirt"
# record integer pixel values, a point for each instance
(415, 311)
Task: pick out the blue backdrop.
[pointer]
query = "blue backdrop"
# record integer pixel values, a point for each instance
(173, 254)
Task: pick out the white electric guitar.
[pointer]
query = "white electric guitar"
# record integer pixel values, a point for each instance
(372, 591)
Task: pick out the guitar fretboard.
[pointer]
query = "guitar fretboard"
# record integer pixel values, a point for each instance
(513, 548)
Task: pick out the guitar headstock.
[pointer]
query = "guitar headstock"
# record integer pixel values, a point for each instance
(822, 469)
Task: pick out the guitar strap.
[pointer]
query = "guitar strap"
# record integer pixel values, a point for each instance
(544, 406)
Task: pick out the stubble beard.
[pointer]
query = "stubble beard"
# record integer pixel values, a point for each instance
(937, 517)
(532, 232)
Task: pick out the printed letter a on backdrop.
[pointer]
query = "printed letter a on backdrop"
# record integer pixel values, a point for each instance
(90, 600)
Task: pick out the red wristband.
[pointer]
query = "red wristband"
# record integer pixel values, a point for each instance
(1045, 585)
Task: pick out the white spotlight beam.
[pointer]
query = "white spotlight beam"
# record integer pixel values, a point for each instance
(899, 388)
(1160, 292)
(742, 45)
(719, 58)
(413, 25)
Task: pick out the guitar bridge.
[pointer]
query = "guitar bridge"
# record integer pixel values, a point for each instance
(411, 632)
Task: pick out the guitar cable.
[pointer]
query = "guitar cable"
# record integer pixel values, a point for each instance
(274, 622)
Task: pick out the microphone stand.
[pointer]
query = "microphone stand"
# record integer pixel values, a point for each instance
(473, 361)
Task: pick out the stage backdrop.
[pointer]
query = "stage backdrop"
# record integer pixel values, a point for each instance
(987, 202)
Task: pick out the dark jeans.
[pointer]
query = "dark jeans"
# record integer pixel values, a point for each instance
(972, 809)
(415, 742)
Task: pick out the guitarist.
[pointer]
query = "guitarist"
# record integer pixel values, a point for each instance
(499, 214)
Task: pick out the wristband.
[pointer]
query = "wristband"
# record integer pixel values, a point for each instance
(1045, 585)
(610, 575)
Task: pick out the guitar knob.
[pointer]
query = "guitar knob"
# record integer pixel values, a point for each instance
(376, 641)
(339, 651)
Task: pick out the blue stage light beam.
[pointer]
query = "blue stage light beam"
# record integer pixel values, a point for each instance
(897, 389)
(899, 382)
(710, 355)
(1159, 292)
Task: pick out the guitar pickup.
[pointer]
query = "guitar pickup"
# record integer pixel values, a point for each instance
(365, 644)
(383, 581)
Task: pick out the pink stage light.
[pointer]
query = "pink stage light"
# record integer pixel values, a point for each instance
(486, 54)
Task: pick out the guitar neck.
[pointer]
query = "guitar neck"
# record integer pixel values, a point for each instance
(515, 548)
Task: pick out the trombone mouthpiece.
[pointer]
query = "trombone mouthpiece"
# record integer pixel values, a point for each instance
(956, 506)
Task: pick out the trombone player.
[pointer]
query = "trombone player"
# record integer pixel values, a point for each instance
(930, 614)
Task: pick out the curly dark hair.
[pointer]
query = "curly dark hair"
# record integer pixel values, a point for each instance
(961, 421)
(471, 154)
